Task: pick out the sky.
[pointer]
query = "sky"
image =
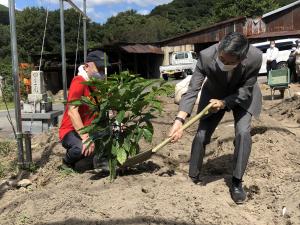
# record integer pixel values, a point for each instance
(97, 10)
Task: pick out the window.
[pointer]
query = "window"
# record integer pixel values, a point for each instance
(263, 48)
(194, 55)
(285, 45)
(179, 56)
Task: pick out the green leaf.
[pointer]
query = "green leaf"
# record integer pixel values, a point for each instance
(87, 101)
(133, 149)
(114, 150)
(139, 134)
(147, 135)
(75, 102)
(120, 116)
(87, 129)
(127, 144)
(121, 155)
(154, 88)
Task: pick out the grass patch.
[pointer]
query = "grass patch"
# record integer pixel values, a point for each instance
(66, 171)
(8, 167)
(8, 157)
(10, 105)
(33, 168)
(24, 219)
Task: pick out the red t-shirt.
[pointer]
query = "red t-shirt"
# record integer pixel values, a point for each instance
(77, 89)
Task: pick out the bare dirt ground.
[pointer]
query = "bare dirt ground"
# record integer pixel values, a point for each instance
(159, 192)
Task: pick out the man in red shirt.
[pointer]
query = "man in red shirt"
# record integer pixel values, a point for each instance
(74, 117)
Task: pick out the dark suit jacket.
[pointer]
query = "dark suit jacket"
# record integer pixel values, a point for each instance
(242, 89)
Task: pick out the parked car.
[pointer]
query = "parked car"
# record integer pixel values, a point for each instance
(284, 46)
(182, 64)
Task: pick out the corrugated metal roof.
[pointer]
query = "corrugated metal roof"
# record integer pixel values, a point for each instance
(276, 34)
(142, 49)
(281, 9)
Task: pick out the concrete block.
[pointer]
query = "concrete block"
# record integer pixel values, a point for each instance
(29, 108)
(37, 97)
(36, 127)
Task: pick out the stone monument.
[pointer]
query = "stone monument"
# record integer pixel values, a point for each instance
(37, 114)
(38, 101)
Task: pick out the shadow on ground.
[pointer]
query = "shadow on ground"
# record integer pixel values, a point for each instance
(131, 221)
(145, 167)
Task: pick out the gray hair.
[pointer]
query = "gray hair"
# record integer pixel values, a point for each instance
(235, 44)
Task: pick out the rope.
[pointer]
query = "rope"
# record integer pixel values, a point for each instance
(42, 50)
(44, 36)
(77, 43)
(33, 112)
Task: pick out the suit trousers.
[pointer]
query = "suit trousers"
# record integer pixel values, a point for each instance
(242, 141)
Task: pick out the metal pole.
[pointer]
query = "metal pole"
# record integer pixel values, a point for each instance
(27, 139)
(105, 64)
(63, 50)
(15, 74)
(84, 31)
(74, 6)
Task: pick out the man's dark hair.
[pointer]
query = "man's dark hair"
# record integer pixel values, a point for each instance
(235, 44)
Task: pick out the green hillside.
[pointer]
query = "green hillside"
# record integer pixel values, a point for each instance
(180, 16)
(191, 14)
(165, 21)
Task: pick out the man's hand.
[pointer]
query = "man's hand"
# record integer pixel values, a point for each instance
(87, 147)
(217, 105)
(176, 132)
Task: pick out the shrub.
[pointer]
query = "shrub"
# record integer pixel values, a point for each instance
(8, 90)
(136, 103)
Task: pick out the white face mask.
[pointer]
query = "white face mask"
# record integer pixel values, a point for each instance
(224, 67)
(272, 46)
(97, 75)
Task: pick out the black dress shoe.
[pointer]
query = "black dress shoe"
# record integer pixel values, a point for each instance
(237, 192)
(195, 180)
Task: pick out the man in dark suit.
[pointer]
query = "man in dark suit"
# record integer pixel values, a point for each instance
(226, 73)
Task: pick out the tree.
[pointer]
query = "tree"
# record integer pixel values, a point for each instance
(130, 26)
(30, 26)
(164, 21)
(4, 43)
(6, 74)
(284, 2)
(95, 34)
(135, 101)
(226, 9)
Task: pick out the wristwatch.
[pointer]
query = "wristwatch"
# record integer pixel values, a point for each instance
(180, 119)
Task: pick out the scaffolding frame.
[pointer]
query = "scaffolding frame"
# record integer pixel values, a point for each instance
(15, 68)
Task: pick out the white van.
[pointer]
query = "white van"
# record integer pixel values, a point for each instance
(284, 46)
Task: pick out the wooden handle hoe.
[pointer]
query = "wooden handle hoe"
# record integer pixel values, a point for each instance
(143, 156)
